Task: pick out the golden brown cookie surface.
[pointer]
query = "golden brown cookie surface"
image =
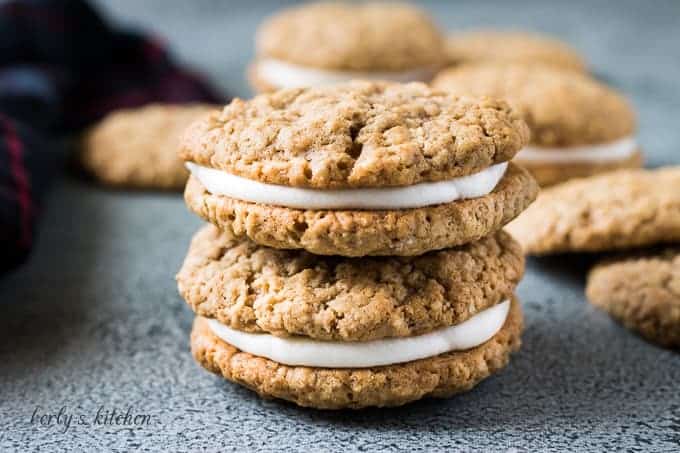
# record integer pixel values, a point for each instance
(642, 292)
(346, 36)
(137, 148)
(561, 108)
(512, 47)
(360, 233)
(393, 385)
(618, 210)
(288, 292)
(361, 134)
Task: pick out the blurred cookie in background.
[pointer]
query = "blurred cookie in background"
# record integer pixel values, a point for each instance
(579, 127)
(618, 210)
(137, 148)
(642, 292)
(327, 43)
(485, 46)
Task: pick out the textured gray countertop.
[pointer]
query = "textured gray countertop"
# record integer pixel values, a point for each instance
(93, 323)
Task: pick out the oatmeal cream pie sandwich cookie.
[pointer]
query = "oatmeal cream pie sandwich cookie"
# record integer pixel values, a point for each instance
(333, 332)
(137, 148)
(642, 291)
(329, 43)
(579, 127)
(365, 168)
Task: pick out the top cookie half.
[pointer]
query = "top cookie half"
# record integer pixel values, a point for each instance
(489, 46)
(361, 134)
(354, 37)
(563, 109)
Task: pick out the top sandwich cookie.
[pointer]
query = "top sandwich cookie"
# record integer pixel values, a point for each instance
(327, 43)
(487, 46)
(579, 127)
(365, 168)
(137, 148)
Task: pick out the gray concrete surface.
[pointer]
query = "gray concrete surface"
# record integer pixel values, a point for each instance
(93, 321)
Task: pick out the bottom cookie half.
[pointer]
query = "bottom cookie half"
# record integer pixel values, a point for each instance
(393, 385)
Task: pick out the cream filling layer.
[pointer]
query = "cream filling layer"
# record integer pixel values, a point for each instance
(301, 351)
(281, 74)
(608, 152)
(415, 196)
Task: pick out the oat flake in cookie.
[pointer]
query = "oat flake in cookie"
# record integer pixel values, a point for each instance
(642, 292)
(137, 148)
(365, 168)
(579, 127)
(328, 43)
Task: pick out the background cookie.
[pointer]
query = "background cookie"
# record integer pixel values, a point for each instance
(579, 127)
(623, 209)
(137, 148)
(642, 292)
(324, 43)
(549, 174)
(327, 388)
(512, 47)
(561, 108)
(286, 292)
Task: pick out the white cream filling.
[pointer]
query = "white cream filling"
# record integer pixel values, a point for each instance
(281, 74)
(301, 351)
(608, 152)
(415, 196)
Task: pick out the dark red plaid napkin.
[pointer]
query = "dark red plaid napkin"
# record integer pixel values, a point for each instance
(63, 67)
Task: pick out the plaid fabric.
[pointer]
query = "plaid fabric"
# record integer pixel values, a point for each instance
(63, 67)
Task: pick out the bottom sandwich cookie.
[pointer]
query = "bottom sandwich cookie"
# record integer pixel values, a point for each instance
(355, 374)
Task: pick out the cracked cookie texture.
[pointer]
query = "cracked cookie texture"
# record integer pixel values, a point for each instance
(642, 292)
(352, 36)
(253, 288)
(619, 210)
(440, 376)
(360, 233)
(137, 148)
(359, 134)
(561, 108)
(484, 46)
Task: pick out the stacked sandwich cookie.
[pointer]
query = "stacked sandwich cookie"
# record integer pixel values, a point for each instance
(354, 255)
